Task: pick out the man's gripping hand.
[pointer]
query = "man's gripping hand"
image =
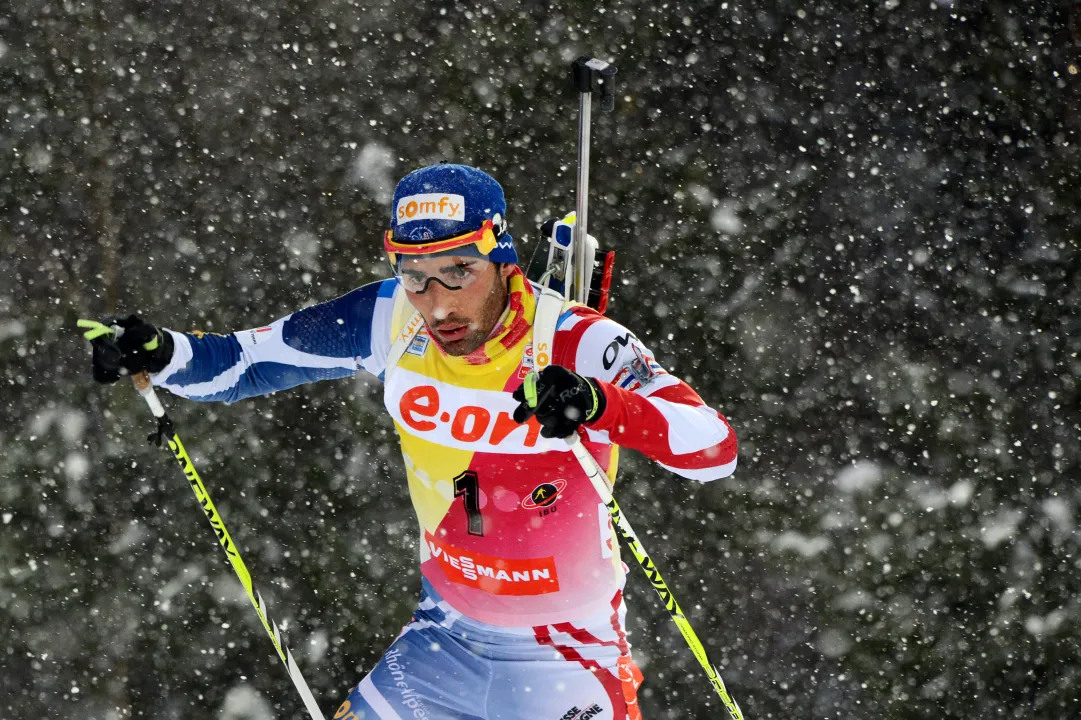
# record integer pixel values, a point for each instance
(560, 399)
(138, 346)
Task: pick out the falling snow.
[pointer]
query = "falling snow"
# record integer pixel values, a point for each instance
(853, 227)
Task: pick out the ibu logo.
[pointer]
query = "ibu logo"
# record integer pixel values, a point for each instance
(544, 496)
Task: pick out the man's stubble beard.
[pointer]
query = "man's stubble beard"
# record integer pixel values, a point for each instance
(493, 310)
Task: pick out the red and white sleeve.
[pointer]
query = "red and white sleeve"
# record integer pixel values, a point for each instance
(648, 409)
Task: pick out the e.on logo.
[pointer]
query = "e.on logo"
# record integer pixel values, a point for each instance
(422, 412)
(430, 206)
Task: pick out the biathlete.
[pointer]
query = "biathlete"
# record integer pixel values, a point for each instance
(521, 612)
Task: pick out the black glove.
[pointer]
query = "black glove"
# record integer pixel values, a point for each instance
(561, 400)
(141, 346)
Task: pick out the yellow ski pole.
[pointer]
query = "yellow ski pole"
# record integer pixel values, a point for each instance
(599, 480)
(101, 332)
(167, 431)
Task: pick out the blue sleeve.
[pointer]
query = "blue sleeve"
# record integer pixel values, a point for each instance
(323, 342)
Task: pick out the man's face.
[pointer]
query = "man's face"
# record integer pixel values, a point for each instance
(461, 319)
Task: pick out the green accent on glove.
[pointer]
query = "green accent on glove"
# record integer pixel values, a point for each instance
(596, 401)
(153, 344)
(97, 329)
(530, 386)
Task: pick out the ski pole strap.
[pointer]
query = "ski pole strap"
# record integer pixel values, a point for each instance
(94, 329)
(165, 428)
(530, 387)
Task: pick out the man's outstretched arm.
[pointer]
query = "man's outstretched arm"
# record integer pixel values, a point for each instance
(322, 342)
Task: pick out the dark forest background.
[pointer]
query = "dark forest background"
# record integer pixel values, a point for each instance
(853, 227)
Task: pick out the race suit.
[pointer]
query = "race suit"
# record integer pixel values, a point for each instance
(521, 572)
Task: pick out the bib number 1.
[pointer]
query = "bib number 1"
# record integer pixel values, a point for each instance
(467, 485)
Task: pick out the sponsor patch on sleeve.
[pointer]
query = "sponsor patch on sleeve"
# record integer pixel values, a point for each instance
(640, 366)
(639, 371)
(626, 379)
(254, 336)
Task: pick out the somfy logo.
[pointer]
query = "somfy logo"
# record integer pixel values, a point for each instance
(430, 206)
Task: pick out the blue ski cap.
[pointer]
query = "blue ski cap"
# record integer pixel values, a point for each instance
(445, 202)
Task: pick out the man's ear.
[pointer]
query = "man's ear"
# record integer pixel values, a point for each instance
(506, 269)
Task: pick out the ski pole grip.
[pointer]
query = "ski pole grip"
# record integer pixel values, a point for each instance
(146, 389)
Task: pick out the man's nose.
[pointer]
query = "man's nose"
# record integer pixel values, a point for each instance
(442, 299)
